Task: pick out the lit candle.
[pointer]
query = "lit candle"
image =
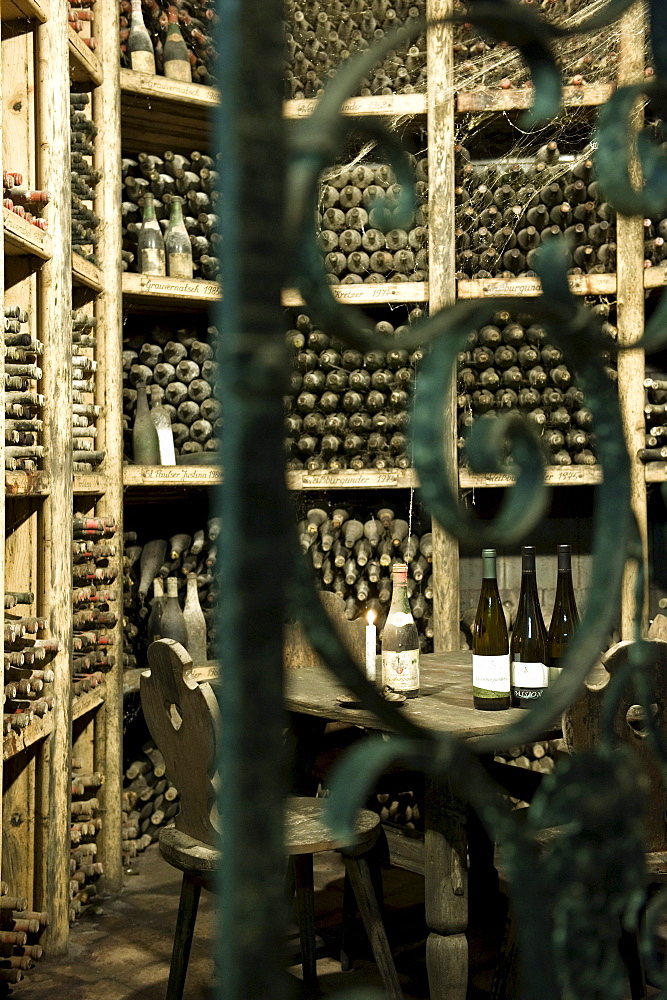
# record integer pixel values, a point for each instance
(371, 639)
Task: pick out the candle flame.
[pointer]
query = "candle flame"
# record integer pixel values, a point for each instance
(370, 618)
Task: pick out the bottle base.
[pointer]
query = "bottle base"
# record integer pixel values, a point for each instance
(491, 704)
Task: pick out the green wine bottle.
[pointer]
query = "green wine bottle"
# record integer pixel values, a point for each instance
(177, 242)
(529, 647)
(172, 623)
(175, 55)
(490, 645)
(565, 617)
(145, 440)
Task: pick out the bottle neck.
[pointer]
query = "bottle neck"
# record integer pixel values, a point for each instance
(142, 398)
(149, 208)
(176, 212)
(172, 587)
(157, 587)
(192, 583)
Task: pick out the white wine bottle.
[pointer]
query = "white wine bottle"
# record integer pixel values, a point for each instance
(150, 244)
(490, 645)
(529, 648)
(565, 617)
(139, 42)
(400, 641)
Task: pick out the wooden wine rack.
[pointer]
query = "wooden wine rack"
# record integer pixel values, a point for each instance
(40, 58)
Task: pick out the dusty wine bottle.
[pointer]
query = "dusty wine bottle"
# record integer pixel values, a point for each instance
(565, 617)
(195, 623)
(490, 645)
(400, 641)
(162, 423)
(175, 53)
(145, 440)
(172, 623)
(529, 652)
(150, 244)
(177, 243)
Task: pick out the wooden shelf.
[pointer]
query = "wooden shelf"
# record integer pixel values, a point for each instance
(86, 274)
(27, 484)
(158, 476)
(19, 740)
(84, 66)
(365, 479)
(84, 703)
(160, 114)
(483, 99)
(385, 106)
(90, 483)
(368, 295)
(22, 238)
(147, 292)
(569, 475)
(580, 284)
(31, 10)
(655, 277)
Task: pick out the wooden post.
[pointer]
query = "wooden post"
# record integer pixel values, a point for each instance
(442, 289)
(55, 306)
(109, 719)
(630, 304)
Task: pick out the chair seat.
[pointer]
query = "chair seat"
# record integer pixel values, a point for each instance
(306, 831)
(187, 854)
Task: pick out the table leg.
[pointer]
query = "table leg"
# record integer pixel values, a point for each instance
(446, 889)
(305, 736)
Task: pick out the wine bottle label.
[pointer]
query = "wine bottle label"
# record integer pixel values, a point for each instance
(178, 69)
(165, 439)
(143, 62)
(180, 265)
(529, 680)
(400, 618)
(491, 675)
(554, 668)
(152, 261)
(400, 671)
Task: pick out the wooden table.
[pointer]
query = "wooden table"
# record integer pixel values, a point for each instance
(445, 705)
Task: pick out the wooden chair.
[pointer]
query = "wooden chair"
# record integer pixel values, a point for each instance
(184, 721)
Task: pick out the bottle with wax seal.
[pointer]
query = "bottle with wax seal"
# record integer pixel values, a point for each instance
(400, 641)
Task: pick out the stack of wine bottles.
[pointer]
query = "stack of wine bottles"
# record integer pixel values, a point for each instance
(93, 572)
(583, 58)
(84, 409)
(506, 210)
(353, 551)
(170, 225)
(23, 403)
(347, 410)
(80, 17)
(356, 227)
(28, 676)
(655, 412)
(322, 34)
(510, 366)
(150, 801)
(20, 930)
(187, 562)
(178, 366)
(176, 39)
(22, 200)
(84, 178)
(86, 810)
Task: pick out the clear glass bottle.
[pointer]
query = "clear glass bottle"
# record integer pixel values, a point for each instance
(150, 244)
(177, 242)
(565, 617)
(400, 641)
(529, 648)
(490, 645)
(139, 42)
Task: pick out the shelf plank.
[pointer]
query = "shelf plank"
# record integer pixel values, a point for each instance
(568, 475)
(165, 114)
(85, 273)
(84, 66)
(84, 703)
(27, 484)
(385, 106)
(89, 483)
(580, 284)
(24, 239)
(16, 741)
(351, 480)
(655, 277)
(171, 475)
(482, 99)
(655, 472)
(390, 291)
(179, 293)
(19, 10)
